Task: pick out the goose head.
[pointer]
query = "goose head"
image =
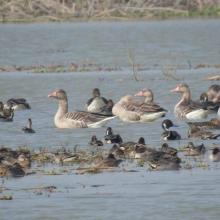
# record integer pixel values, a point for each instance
(59, 94)
(147, 93)
(181, 88)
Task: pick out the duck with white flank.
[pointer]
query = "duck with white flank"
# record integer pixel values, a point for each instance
(215, 155)
(96, 103)
(112, 138)
(167, 134)
(29, 128)
(186, 108)
(65, 119)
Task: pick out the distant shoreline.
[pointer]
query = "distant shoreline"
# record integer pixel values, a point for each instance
(28, 11)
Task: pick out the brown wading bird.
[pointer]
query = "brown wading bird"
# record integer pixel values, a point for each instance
(65, 119)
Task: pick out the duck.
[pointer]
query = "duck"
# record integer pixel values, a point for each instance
(128, 110)
(95, 142)
(64, 119)
(107, 109)
(112, 138)
(162, 161)
(192, 150)
(167, 134)
(213, 93)
(96, 103)
(196, 132)
(13, 170)
(28, 129)
(110, 161)
(213, 107)
(117, 151)
(186, 108)
(7, 115)
(213, 123)
(215, 155)
(141, 150)
(18, 104)
(168, 150)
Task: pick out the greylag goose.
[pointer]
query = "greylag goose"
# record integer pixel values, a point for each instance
(130, 111)
(150, 108)
(186, 108)
(167, 134)
(65, 119)
(96, 103)
(28, 129)
(215, 155)
(17, 104)
(124, 109)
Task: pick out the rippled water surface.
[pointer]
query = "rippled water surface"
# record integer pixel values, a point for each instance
(184, 194)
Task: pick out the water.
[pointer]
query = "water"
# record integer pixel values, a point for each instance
(184, 194)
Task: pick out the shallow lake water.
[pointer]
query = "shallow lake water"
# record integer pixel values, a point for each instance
(184, 194)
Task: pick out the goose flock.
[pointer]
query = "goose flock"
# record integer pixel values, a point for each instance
(136, 108)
